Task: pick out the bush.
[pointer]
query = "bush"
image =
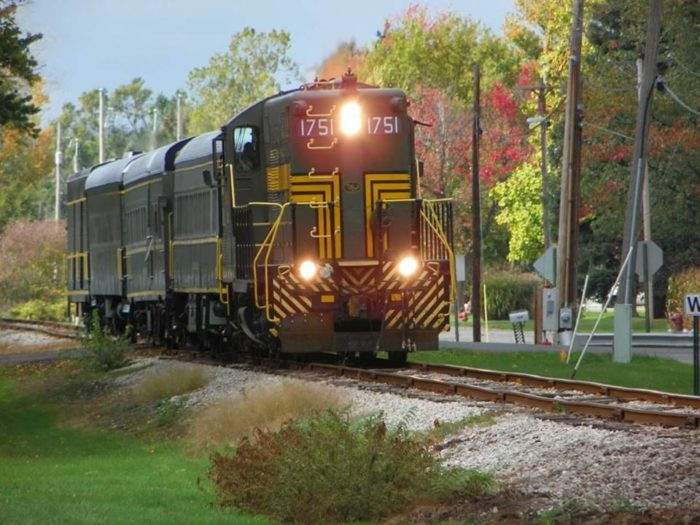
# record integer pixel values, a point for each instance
(174, 381)
(508, 291)
(32, 264)
(680, 284)
(266, 408)
(40, 309)
(105, 352)
(329, 468)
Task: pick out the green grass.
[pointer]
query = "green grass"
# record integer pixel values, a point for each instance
(653, 373)
(52, 474)
(586, 325)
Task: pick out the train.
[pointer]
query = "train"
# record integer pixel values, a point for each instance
(296, 227)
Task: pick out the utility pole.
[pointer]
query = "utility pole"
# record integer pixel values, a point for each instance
(567, 249)
(58, 158)
(646, 214)
(155, 129)
(543, 123)
(179, 115)
(623, 312)
(76, 145)
(101, 128)
(476, 212)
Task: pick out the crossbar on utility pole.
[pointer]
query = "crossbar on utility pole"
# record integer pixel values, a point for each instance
(476, 213)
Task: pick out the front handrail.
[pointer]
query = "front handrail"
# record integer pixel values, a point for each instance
(266, 247)
(435, 225)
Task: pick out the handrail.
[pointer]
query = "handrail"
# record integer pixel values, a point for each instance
(311, 142)
(310, 114)
(267, 245)
(223, 291)
(437, 228)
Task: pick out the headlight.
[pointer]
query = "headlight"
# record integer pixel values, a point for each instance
(307, 270)
(408, 266)
(350, 118)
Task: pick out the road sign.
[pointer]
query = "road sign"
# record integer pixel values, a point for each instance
(691, 304)
(654, 255)
(546, 265)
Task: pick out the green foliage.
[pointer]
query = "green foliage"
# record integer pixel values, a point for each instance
(519, 198)
(249, 71)
(105, 352)
(42, 309)
(418, 49)
(329, 468)
(31, 267)
(507, 291)
(17, 72)
(680, 284)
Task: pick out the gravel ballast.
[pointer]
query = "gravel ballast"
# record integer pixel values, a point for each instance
(556, 461)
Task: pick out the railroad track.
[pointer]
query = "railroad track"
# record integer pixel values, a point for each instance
(581, 398)
(52, 328)
(572, 397)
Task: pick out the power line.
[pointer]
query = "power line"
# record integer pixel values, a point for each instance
(606, 130)
(675, 97)
(605, 88)
(686, 68)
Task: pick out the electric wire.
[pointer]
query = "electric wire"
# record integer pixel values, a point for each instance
(606, 130)
(678, 100)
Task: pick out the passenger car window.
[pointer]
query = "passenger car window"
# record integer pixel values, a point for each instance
(246, 149)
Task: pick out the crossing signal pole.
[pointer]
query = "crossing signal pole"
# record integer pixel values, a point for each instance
(476, 212)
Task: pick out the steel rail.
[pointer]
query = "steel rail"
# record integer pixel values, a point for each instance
(580, 408)
(616, 392)
(44, 327)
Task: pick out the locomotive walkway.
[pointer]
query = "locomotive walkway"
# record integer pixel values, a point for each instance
(673, 346)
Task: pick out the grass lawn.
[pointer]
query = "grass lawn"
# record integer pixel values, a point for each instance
(56, 473)
(653, 373)
(586, 325)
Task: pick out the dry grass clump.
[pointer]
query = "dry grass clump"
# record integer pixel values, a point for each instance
(265, 408)
(173, 381)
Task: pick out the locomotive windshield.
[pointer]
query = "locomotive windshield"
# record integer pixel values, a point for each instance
(246, 149)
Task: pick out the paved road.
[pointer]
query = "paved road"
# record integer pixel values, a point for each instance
(504, 341)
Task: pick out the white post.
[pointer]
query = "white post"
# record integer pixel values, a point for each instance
(101, 127)
(179, 115)
(58, 158)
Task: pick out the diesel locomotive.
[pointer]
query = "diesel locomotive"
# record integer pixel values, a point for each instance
(297, 227)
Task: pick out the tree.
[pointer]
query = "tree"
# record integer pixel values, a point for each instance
(519, 200)
(251, 69)
(17, 72)
(420, 49)
(25, 162)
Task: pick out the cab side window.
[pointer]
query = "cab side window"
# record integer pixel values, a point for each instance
(246, 147)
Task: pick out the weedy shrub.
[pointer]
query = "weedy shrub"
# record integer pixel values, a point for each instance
(173, 381)
(329, 468)
(507, 291)
(265, 408)
(104, 351)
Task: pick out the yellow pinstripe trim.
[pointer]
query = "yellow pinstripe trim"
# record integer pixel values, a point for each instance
(155, 293)
(76, 201)
(140, 185)
(191, 242)
(197, 290)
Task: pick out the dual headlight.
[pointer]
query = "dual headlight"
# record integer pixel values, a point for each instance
(407, 267)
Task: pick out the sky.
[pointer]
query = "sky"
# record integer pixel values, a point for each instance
(89, 44)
